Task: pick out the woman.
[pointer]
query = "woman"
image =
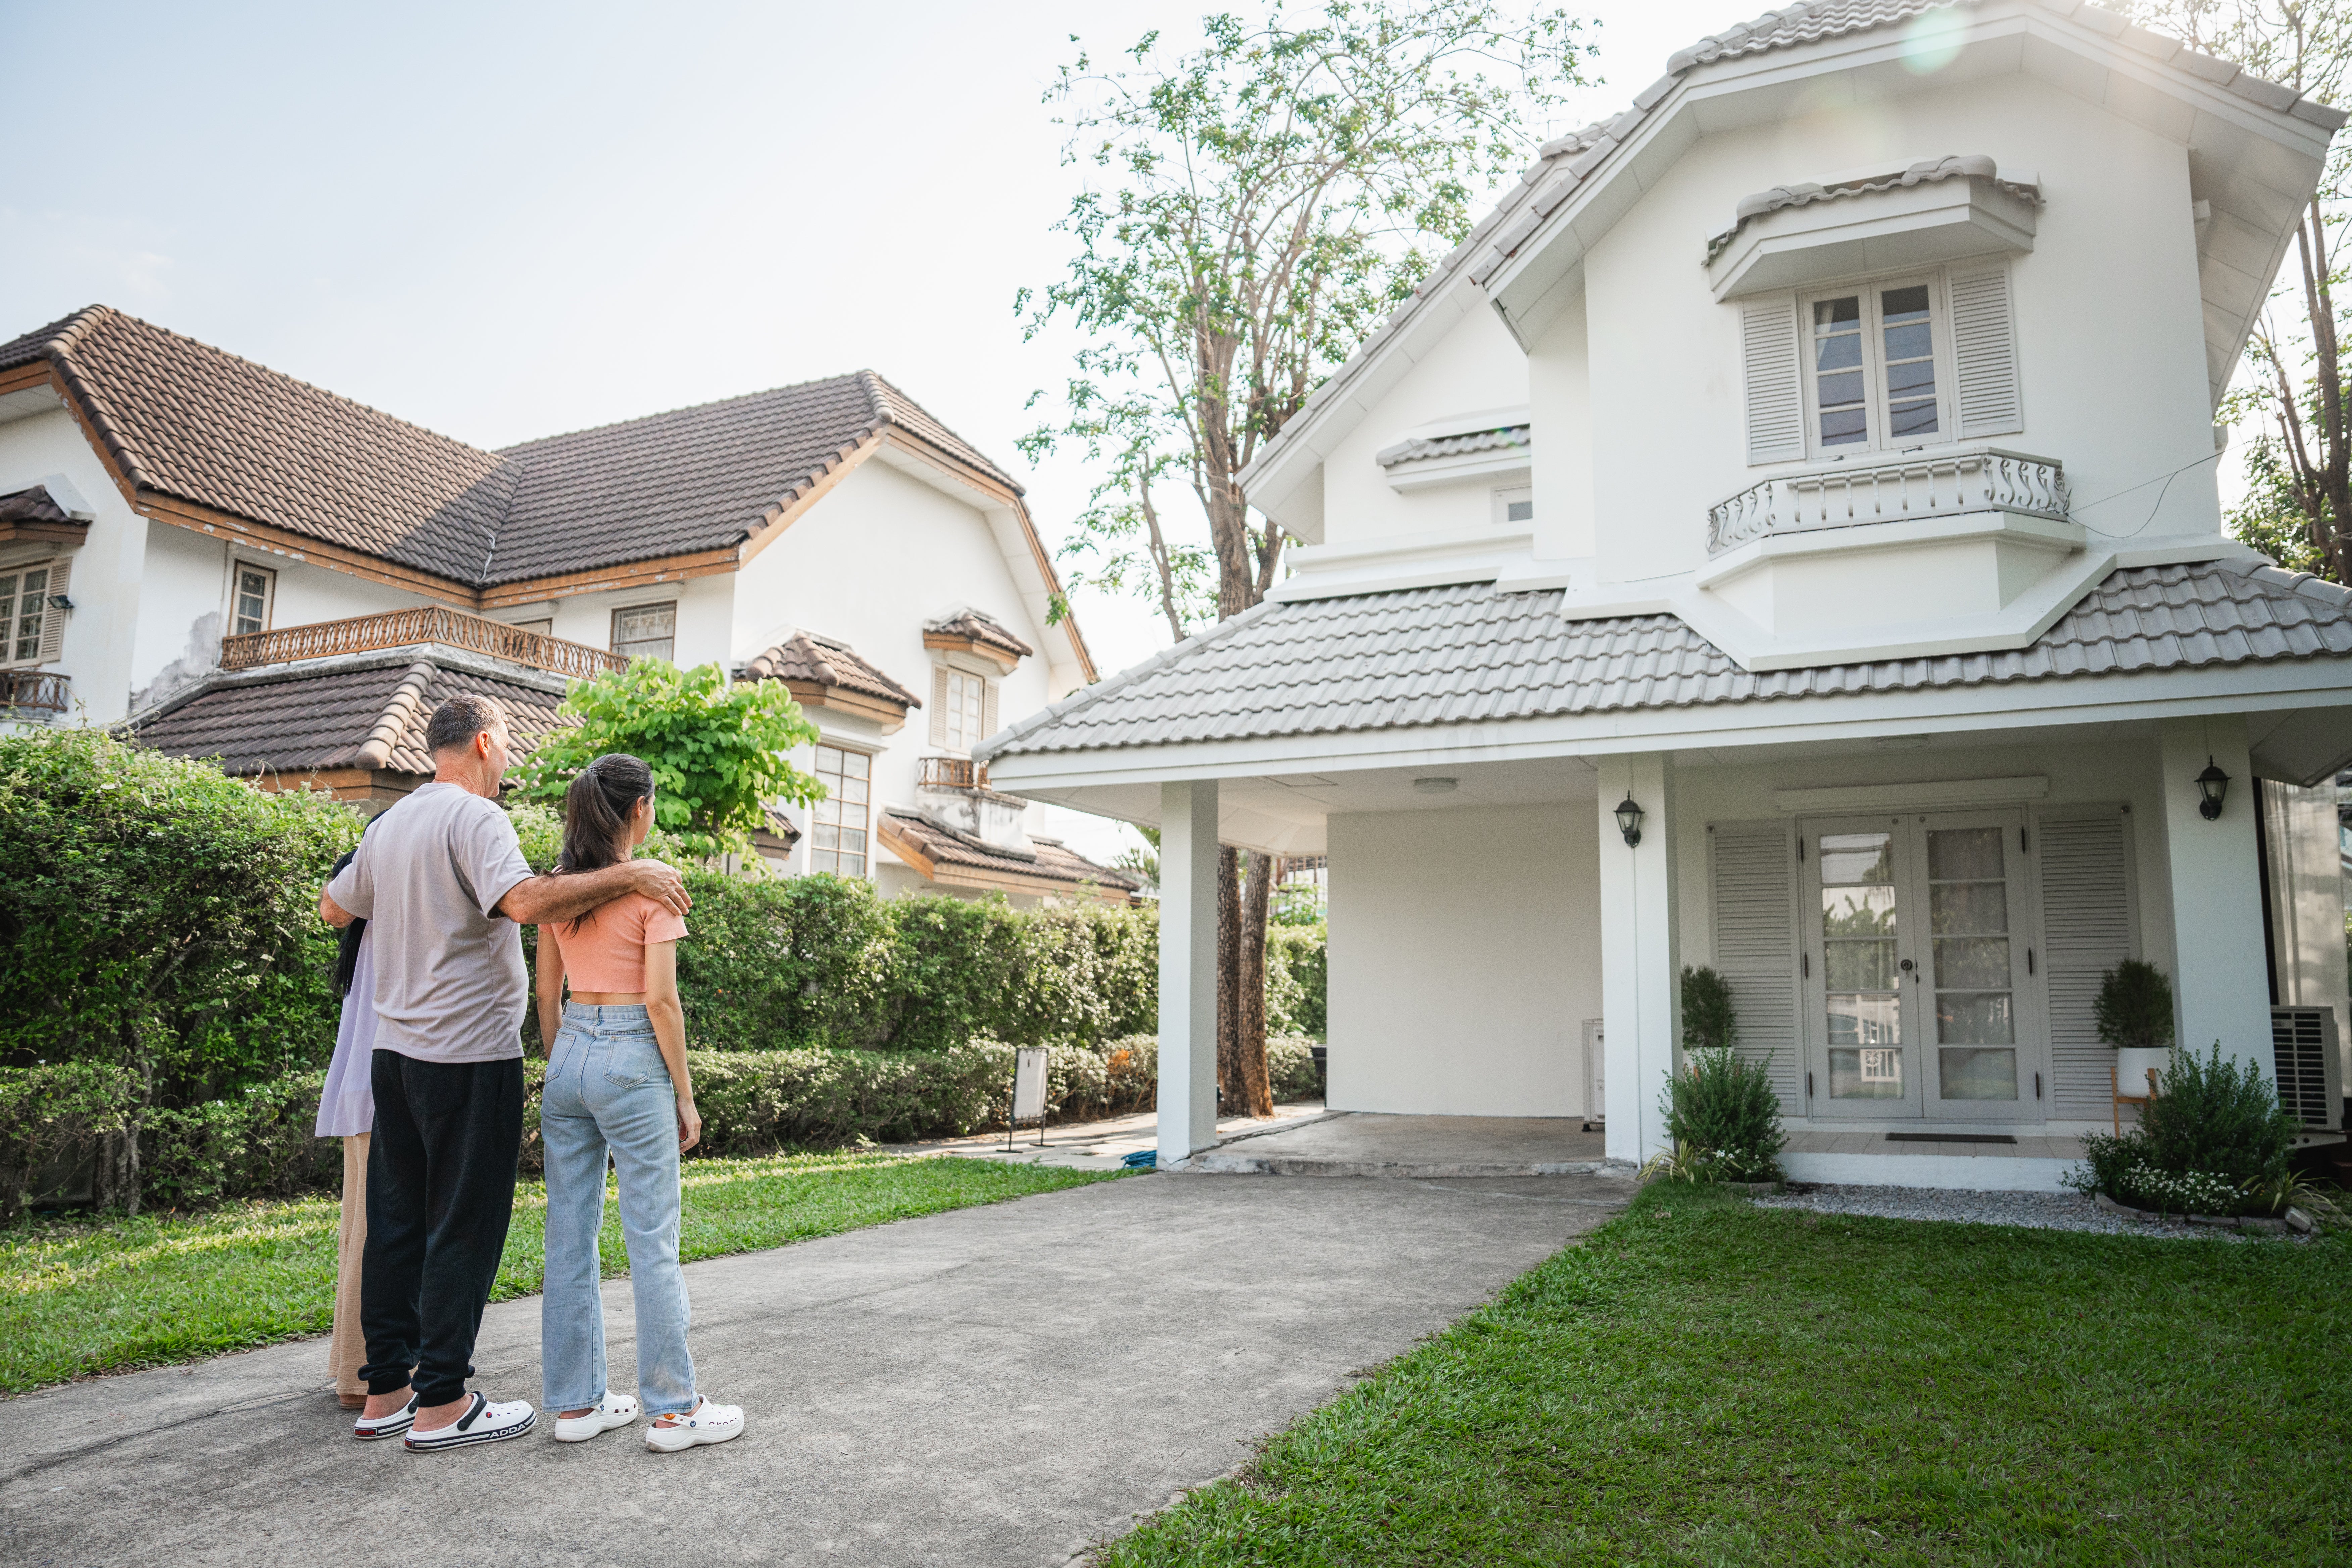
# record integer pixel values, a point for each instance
(617, 1082)
(347, 1110)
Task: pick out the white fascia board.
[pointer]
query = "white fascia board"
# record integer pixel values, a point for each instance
(1429, 560)
(2065, 538)
(1430, 473)
(1314, 435)
(1706, 100)
(2273, 686)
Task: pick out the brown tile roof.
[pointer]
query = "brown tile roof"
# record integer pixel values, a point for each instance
(827, 661)
(189, 421)
(1055, 862)
(982, 628)
(32, 505)
(296, 718)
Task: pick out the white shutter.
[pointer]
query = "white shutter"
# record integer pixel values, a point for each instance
(1754, 872)
(53, 621)
(1771, 367)
(1984, 350)
(939, 705)
(2086, 927)
(987, 709)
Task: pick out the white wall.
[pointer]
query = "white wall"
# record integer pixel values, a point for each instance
(1464, 957)
(2110, 328)
(102, 628)
(1474, 367)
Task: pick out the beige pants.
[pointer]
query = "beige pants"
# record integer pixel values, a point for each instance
(347, 1351)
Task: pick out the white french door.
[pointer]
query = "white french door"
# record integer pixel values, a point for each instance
(1918, 979)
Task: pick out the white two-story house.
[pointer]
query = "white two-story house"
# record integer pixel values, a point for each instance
(230, 563)
(1785, 538)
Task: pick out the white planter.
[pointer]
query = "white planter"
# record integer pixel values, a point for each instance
(2132, 1064)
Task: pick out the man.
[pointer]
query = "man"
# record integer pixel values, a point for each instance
(445, 888)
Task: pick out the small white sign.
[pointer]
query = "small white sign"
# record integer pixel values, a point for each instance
(1029, 1084)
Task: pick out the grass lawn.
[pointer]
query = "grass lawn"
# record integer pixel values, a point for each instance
(80, 1297)
(1704, 1381)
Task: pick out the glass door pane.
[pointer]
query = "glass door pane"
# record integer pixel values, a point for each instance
(1974, 962)
(1861, 1061)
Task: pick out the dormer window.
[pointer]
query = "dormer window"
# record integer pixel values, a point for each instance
(1873, 371)
(963, 710)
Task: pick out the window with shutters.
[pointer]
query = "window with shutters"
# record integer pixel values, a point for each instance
(256, 590)
(1888, 365)
(1873, 366)
(646, 631)
(837, 825)
(29, 626)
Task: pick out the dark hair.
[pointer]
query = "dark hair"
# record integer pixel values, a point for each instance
(457, 721)
(596, 807)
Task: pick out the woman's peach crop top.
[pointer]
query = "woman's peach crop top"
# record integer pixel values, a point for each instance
(605, 950)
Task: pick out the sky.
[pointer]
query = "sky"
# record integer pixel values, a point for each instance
(506, 220)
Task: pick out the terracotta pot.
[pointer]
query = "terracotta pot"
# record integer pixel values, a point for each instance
(2132, 1067)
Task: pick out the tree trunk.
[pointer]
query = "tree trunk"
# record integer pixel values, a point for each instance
(1231, 1093)
(1257, 1091)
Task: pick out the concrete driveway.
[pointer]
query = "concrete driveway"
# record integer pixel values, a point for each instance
(1006, 1385)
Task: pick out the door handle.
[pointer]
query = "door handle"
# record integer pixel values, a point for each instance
(1912, 970)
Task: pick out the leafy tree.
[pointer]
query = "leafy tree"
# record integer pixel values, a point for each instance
(2298, 506)
(1260, 203)
(2134, 1008)
(717, 749)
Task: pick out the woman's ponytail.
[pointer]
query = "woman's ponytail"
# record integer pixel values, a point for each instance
(596, 808)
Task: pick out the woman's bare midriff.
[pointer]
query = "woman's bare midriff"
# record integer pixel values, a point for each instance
(608, 998)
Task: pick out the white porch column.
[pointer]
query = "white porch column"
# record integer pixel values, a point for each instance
(2221, 975)
(1641, 952)
(1188, 968)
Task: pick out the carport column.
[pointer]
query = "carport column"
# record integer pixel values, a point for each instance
(2221, 973)
(1188, 968)
(1641, 950)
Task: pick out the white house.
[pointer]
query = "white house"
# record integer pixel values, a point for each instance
(1785, 538)
(233, 564)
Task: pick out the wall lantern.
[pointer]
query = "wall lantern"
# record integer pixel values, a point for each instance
(1629, 820)
(2212, 784)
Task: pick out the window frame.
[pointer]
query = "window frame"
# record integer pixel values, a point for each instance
(953, 712)
(613, 638)
(16, 573)
(268, 575)
(1872, 290)
(865, 808)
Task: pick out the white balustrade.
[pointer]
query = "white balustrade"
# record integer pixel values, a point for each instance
(1902, 488)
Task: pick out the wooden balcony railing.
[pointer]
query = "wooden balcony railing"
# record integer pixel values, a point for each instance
(951, 772)
(402, 629)
(36, 689)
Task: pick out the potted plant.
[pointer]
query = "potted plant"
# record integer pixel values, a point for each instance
(2134, 1013)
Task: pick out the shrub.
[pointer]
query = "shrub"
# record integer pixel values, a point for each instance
(255, 1143)
(58, 1114)
(1710, 1021)
(1298, 981)
(1723, 1115)
(1290, 1066)
(2134, 1008)
(159, 915)
(2220, 1116)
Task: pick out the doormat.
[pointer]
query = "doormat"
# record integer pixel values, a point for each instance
(1950, 1138)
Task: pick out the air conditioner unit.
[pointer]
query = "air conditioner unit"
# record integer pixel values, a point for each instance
(2307, 1060)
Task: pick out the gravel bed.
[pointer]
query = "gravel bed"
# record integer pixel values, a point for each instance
(2039, 1210)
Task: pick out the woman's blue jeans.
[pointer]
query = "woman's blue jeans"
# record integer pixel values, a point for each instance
(609, 1090)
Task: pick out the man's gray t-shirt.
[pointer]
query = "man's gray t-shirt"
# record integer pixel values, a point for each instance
(449, 981)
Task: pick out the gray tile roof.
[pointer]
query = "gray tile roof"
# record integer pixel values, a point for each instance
(185, 419)
(297, 718)
(1565, 164)
(1420, 448)
(1927, 172)
(1467, 653)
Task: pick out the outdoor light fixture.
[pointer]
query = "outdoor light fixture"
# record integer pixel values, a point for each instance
(2212, 784)
(1629, 820)
(1434, 786)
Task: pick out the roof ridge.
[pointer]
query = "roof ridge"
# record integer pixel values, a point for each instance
(682, 409)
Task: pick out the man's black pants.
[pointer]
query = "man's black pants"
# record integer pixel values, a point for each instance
(441, 1181)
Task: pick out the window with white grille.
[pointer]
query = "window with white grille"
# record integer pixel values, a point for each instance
(257, 587)
(30, 626)
(837, 824)
(646, 631)
(964, 708)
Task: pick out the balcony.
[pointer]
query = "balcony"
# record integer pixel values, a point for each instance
(34, 691)
(1908, 487)
(951, 772)
(405, 628)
